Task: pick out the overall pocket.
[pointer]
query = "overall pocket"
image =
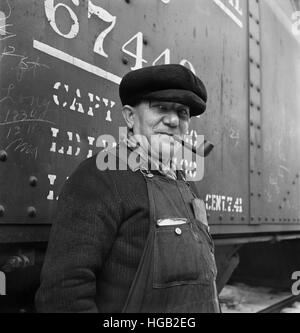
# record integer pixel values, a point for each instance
(181, 256)
(206, 238)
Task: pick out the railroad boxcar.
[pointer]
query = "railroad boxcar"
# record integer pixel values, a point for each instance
(60, 65)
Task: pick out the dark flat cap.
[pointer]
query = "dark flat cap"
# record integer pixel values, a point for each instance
(169, 83)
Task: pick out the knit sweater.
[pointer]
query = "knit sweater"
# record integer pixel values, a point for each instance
(96, 241)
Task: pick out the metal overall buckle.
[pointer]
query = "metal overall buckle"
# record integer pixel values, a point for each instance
(146, 173)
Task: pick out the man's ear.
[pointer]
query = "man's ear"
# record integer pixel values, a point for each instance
(128, 114)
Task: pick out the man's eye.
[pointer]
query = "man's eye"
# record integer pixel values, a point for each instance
(184, 112)
(162, 107)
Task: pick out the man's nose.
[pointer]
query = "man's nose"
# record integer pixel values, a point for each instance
(171, 119)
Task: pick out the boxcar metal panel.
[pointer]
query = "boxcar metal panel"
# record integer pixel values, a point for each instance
(60, 65)
(280, 118)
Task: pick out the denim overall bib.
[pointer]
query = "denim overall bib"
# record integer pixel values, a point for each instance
(177, 271)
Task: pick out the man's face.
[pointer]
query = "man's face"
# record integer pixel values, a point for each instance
(159, 122)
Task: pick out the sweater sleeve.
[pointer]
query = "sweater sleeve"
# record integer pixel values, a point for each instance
(81, 237)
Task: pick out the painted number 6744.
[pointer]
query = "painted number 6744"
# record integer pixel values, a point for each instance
(104, 15)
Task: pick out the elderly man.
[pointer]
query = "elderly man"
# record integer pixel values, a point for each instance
(135, 239)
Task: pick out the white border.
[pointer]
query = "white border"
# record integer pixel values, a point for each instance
(76, 62)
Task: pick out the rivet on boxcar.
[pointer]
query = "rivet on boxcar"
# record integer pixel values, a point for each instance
(252, 143)
(259, 173)
(266, 219)
(232, 218)
(280, 207)
(259, 219)
(257, 22)
(220, 217)
(273, 220)
(31, 211)
(145, 42)
(2, 210)
(288, 192)
(252, 194)
(252, 218)
(297, 176)
(251, 171)
(284, 199)
(259, 195)
(124, 61)
(258, 107)
(250, 35)
(3, 155)
(243, 218)
(258, 42)
(258, 127)
(258, 146)
(208, 216)
(33, 181)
